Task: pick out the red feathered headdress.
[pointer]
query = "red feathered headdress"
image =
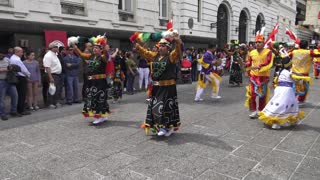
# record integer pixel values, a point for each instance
(134, 37)
(259, 35)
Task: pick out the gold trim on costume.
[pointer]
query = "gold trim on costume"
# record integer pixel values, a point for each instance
(269, 120)
(164, 82)
(97, 76)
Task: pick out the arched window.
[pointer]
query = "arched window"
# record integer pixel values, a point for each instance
(243, 21)
(259, 22)
(222, 25)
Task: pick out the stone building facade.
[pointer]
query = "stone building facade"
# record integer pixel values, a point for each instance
(312, 20)
(198, 21)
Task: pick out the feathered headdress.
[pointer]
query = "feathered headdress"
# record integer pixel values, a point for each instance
(154, 37)
(259, 35)
(99, 40)
(73, 40)
(76, 40)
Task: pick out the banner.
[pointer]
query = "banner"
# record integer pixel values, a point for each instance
(51, 35)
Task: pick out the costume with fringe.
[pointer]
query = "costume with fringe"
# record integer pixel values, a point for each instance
(236, 71)
(117, 78)
(301, 64)
(163, 110)
(207, 78)
(96, 104)
(316, 64)
(283, 106)
(259, 78)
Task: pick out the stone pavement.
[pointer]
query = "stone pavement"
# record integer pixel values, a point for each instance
(217, 140)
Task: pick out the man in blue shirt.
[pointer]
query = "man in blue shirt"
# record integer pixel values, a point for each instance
(72, 66)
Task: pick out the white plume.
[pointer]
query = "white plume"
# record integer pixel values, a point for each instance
(73, 40)
(262, 30)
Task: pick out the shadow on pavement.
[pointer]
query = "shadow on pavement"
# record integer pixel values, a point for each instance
(304, 127)
(110, 123)
(183, 138)
(309, 105)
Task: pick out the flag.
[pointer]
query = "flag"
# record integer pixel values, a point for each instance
(55, 35)
(170, 24)
(292, 36)
(272, 36)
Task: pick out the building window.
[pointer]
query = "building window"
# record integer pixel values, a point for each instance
(4, 3)
(163, 9)
(199, 10)
(74, 7)
(125, 5)
(126, 10)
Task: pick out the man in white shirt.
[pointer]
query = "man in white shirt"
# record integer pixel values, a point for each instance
(53, 70)
(22, 80)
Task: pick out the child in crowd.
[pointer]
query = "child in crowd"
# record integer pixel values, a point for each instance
(282, 109)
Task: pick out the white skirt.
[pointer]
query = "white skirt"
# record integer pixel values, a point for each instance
(282, 108)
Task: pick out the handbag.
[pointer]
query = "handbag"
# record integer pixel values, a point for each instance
(11, 77)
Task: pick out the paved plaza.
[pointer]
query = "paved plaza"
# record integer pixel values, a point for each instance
(217, 141)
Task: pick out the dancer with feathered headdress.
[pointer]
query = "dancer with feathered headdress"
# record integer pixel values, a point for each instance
(96, 104)
(259, 64)
(163, 112)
